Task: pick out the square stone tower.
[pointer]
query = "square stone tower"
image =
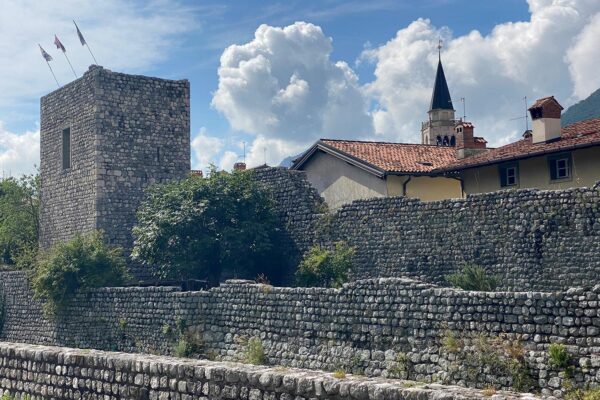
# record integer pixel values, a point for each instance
(104, 138)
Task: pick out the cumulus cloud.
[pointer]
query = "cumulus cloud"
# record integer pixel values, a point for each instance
(205, 149)
(283, 87)
(19, 154)
(554, 53)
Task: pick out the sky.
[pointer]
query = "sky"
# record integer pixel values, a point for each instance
(275, 76)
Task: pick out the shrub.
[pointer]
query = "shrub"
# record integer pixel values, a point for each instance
(558, 356)
(327, 268)
(473, 277)
(450, 342)
(339, 374)
(81, 263)
(255, 353)
(202, 228)
(189, 344)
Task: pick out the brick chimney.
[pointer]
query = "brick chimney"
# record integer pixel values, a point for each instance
(545, 114)
(239, 166)
(466, 143)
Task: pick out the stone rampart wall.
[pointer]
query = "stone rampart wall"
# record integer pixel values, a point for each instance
(41, 372)
(382, 327)
(531, 239)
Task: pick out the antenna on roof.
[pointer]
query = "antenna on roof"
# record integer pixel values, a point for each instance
(464, 101)
(526, 117)
(244, 142)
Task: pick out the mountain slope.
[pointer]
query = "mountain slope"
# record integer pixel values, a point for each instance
(585, 109)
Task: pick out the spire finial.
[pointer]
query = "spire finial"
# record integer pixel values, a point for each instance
(439, 46)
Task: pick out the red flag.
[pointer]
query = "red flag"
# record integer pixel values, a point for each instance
(46, 56)
(59, 45)
(81, 39)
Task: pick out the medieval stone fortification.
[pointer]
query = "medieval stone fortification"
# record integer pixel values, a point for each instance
(107, 136)
(104, 138)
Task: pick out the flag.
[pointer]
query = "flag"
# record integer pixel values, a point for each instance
(46, 56)
(81, 39)
(59, 45)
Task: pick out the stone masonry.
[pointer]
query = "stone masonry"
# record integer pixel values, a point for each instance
(61, 373)
(126, 133)
(531, 239)
(381, 327)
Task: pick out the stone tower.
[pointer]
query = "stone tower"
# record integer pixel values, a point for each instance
(104, 138)
(439, 129)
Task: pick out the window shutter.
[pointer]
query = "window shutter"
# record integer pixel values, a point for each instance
(502, 172)
(552, 168)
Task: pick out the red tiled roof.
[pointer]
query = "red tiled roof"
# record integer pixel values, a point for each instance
(395, 157)
(580, 134)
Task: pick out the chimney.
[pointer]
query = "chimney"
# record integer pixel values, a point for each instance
(197, 172)
(466, 143)
(239, 166)
(545, 114)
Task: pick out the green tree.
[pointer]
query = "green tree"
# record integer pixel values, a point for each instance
(201, 228)
(322, 267)
(19, 219)
(84, 262)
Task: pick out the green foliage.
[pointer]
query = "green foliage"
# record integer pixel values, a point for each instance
(189, 344)
(558, 357)
(201, 228)
(322, 267)
(450, 342)
(81, 263)
(19, 220)
(580, 394)
(254, 352)
(339, 374)
(473, 277)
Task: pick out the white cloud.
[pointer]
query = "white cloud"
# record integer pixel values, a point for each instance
(227, 160)
(205, 150)
(555, 53)
(283, 87)
(18, 153)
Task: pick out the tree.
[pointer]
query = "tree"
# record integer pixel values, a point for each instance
(84, 262)
(200, 228)
(19, 219)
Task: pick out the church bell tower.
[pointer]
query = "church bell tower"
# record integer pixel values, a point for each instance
(439, 129)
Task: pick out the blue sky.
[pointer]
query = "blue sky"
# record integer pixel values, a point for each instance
(300, 70)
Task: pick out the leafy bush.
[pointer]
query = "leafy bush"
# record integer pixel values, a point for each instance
(339, 374)
(202, 228)
(322, 267)
(255, 353)
(558, 356)
(19, 220)
(473, 277)
(189, 344)
(81, 263)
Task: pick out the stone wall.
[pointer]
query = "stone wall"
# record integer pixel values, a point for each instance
(531, 239)
(383, 327)
(51, 372)
(127, 132)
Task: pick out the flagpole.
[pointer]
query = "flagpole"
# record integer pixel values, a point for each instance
(52, 73)
(90, 50)
(69, 61)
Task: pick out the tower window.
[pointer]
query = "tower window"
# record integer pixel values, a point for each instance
(66, 148)
(446, 141)
(453, 141)
(509, 174)
(438, 141)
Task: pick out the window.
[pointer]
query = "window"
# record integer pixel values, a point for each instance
(438, 141)
(509, 175)
(560, 166)
(446, 142)
(66, 148)
(453, 141)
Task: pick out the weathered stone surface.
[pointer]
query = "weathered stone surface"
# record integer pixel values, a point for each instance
(50, 372)
(531, 239)
(127, 132)
(389, 327)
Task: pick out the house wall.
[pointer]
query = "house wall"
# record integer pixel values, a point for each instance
(425, 188)
(339, 182)
(533, 173)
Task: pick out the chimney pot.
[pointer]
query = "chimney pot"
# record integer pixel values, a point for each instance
(239, 166)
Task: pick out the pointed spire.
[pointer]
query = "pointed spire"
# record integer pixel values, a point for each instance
(440, 100)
